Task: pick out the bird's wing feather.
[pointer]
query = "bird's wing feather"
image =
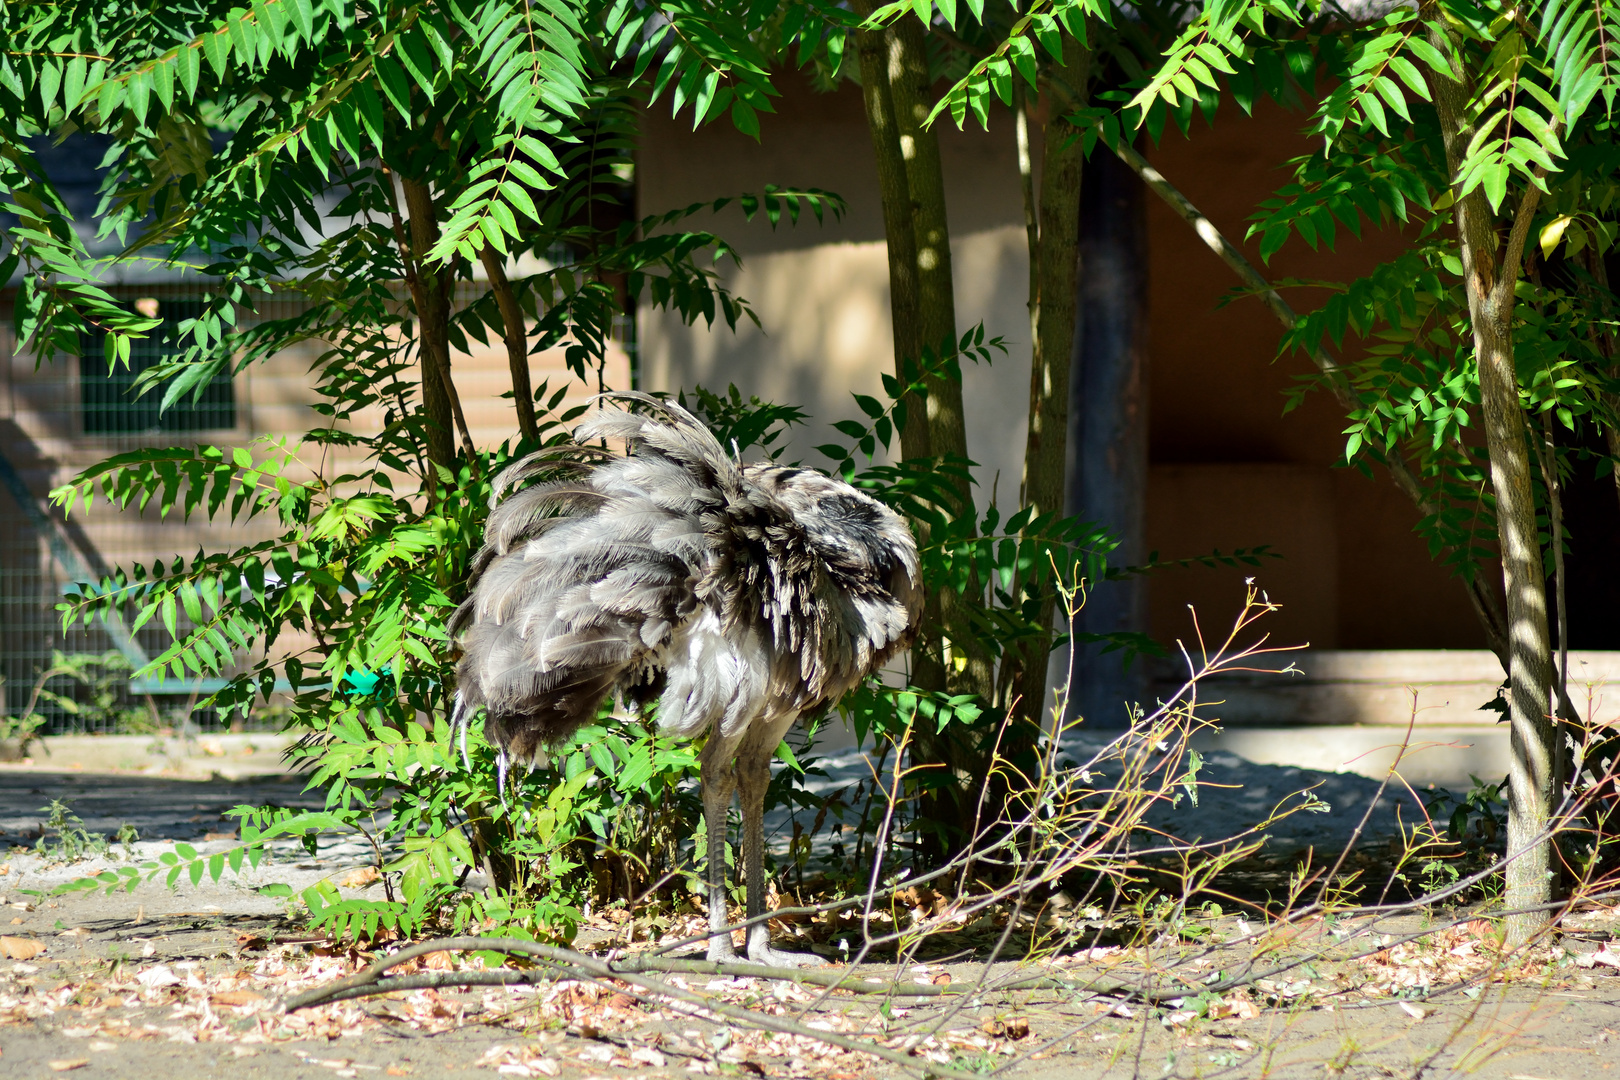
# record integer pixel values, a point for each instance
(728, 591)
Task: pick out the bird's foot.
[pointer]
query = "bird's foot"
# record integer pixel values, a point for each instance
(723, 951)
(760, 951)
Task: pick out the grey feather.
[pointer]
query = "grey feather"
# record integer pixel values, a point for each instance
(726, 592)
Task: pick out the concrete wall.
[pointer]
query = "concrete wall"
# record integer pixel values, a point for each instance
(822, 291)
(42, 435)
(1229, 469)
(1427, 688)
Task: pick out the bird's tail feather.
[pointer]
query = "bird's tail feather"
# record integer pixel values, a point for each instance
(676, 435)
(563, 456)
(459, 725)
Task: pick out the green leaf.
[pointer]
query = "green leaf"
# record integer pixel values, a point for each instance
(395, 85)
(302, 13)
(216, 47)
(188, 65)
(414, 53)
(50, 80)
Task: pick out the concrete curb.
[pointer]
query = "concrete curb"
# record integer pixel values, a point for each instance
(231, 757)
(1445, 755)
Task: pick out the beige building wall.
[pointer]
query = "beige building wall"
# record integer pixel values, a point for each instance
(1229, 469)
(821, 291)
(42, 435)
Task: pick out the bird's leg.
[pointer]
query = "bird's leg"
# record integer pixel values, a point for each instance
(753, 777)
(719, 780)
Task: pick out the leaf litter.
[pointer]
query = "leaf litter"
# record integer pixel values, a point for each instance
(569, 1022)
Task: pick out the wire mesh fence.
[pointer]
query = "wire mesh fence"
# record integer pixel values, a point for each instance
(56, 418)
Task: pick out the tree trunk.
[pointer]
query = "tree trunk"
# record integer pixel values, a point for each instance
(927, 664)
(1606, 344)
(1531, 786)
(970, 669)
(931, 249)
(1045, 445)
(517, 345)
(1108, 444)
(433, 328)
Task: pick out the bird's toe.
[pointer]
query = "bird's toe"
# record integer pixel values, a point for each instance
(764, 953)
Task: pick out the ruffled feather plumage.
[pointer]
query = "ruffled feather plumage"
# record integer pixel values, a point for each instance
(725, 592)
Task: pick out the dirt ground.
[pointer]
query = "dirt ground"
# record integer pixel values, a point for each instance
(157, 983)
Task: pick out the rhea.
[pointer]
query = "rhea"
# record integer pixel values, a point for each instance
(734, 598)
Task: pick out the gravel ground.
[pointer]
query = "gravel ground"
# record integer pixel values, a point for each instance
(212, 930)
(1234, 795)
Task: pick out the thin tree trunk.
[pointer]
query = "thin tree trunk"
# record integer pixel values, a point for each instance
(433, 330)
(1490, 291)
(927, 663)
(925, 182)
(971, 669)
(873, 53)
(1606, 345)
(1045, 446)
(517, 345)
(895, 91)
(1547, 453)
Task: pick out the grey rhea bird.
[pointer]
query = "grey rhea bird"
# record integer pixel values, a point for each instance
(737, 597)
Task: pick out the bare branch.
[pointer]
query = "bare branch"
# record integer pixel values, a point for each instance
(1487, 608)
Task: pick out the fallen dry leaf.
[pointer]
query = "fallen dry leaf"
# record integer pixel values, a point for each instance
(1602, 956)
(65, 1064)
(1414, 1011)
(1237, 1008)
(155, 977)
(359, 876)
(1014, 1027)
(942, 979)
(439, 961)
(20, 948)
(237, 997)
(77, 931)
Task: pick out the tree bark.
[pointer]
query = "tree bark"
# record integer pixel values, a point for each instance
(873, 53)
(970, 668)
(433, 327)
(517, 345)
(1045, 445)
(925, 184)
(927, 654)
(1108, 443)
(1531, 781)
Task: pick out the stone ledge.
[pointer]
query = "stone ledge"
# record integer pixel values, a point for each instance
(231, 757)
(1374, 687)
(1445, 756)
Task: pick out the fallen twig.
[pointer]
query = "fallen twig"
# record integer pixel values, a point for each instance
(566, 963)
(365, 983)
